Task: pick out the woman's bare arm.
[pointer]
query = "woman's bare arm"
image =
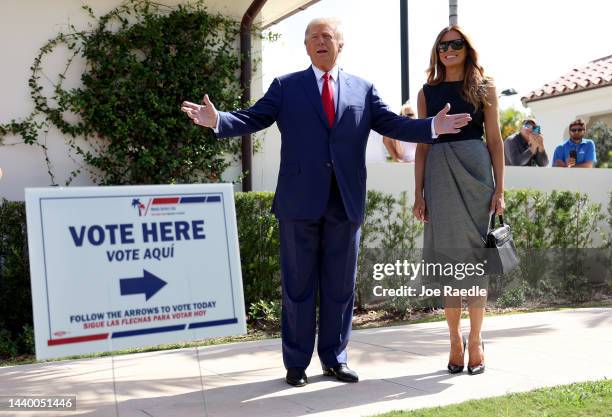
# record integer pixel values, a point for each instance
(495, 145)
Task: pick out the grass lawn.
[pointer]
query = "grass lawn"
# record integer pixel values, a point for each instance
(586, 399)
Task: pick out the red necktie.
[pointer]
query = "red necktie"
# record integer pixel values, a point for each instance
(327, 96)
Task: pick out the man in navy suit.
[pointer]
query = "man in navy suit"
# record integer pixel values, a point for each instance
(324, 116)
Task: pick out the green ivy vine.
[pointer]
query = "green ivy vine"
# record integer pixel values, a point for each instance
(142, 60)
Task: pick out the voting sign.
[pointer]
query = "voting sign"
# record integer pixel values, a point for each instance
(131, 266)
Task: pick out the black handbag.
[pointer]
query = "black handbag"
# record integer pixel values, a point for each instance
(501, 252)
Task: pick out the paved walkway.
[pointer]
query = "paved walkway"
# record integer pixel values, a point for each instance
(400, 368)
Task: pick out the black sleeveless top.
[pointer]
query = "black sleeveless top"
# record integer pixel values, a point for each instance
(436, 97)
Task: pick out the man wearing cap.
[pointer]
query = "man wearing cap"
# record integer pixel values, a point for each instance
(526, 147)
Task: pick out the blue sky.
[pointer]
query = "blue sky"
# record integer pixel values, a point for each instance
(523, 43)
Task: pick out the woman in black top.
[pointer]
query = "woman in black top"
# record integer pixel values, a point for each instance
(456, 190)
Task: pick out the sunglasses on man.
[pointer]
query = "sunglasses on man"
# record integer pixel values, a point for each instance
(455, 44)
(577, 129)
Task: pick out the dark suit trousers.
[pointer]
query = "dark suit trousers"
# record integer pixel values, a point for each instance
(318, 256)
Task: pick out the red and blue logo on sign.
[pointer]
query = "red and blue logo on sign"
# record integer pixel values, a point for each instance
(160, 203)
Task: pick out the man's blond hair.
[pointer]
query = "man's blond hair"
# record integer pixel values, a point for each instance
(333, 22)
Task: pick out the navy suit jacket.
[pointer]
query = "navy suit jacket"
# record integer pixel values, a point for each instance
(311, 149)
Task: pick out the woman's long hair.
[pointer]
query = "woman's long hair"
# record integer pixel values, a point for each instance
(474, 81)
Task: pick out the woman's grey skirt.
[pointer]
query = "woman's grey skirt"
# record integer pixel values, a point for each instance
(458, 188)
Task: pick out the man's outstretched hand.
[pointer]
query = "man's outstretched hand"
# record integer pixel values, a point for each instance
(203, 115)
(450, 123)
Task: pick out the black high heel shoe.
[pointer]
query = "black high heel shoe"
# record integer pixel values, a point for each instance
(477, 369)
(455, 369)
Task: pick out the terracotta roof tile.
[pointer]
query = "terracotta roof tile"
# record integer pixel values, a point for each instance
(597, 73)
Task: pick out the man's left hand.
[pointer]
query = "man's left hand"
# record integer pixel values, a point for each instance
(450, 123)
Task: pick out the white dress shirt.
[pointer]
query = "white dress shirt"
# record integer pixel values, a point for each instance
(333, 79)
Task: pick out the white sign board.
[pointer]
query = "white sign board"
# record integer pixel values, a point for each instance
(122, 267)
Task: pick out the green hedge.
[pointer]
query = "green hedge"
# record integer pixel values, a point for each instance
(259, 247)
(561, 219)
(15, 295)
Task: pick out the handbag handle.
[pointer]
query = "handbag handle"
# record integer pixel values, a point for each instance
(492, 222)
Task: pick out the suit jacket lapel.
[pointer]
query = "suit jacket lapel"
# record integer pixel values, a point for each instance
(312, 92)
(343, 89)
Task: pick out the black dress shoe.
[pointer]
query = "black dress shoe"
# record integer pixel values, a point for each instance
(457, 369)
(477, 369)
(342, 373)
(296, 377)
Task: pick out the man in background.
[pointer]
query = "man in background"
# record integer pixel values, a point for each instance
(575, 152)
(526, 147)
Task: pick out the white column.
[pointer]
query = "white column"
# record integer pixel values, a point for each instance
(452, 12)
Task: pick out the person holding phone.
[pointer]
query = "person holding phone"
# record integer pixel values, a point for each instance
(576, 152)
(526, 147)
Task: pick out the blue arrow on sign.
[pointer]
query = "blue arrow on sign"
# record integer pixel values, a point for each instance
(148, 285)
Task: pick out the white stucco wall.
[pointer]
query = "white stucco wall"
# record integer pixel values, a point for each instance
(555, 114)
(25, 26)
(597, 183)
(267, 160)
